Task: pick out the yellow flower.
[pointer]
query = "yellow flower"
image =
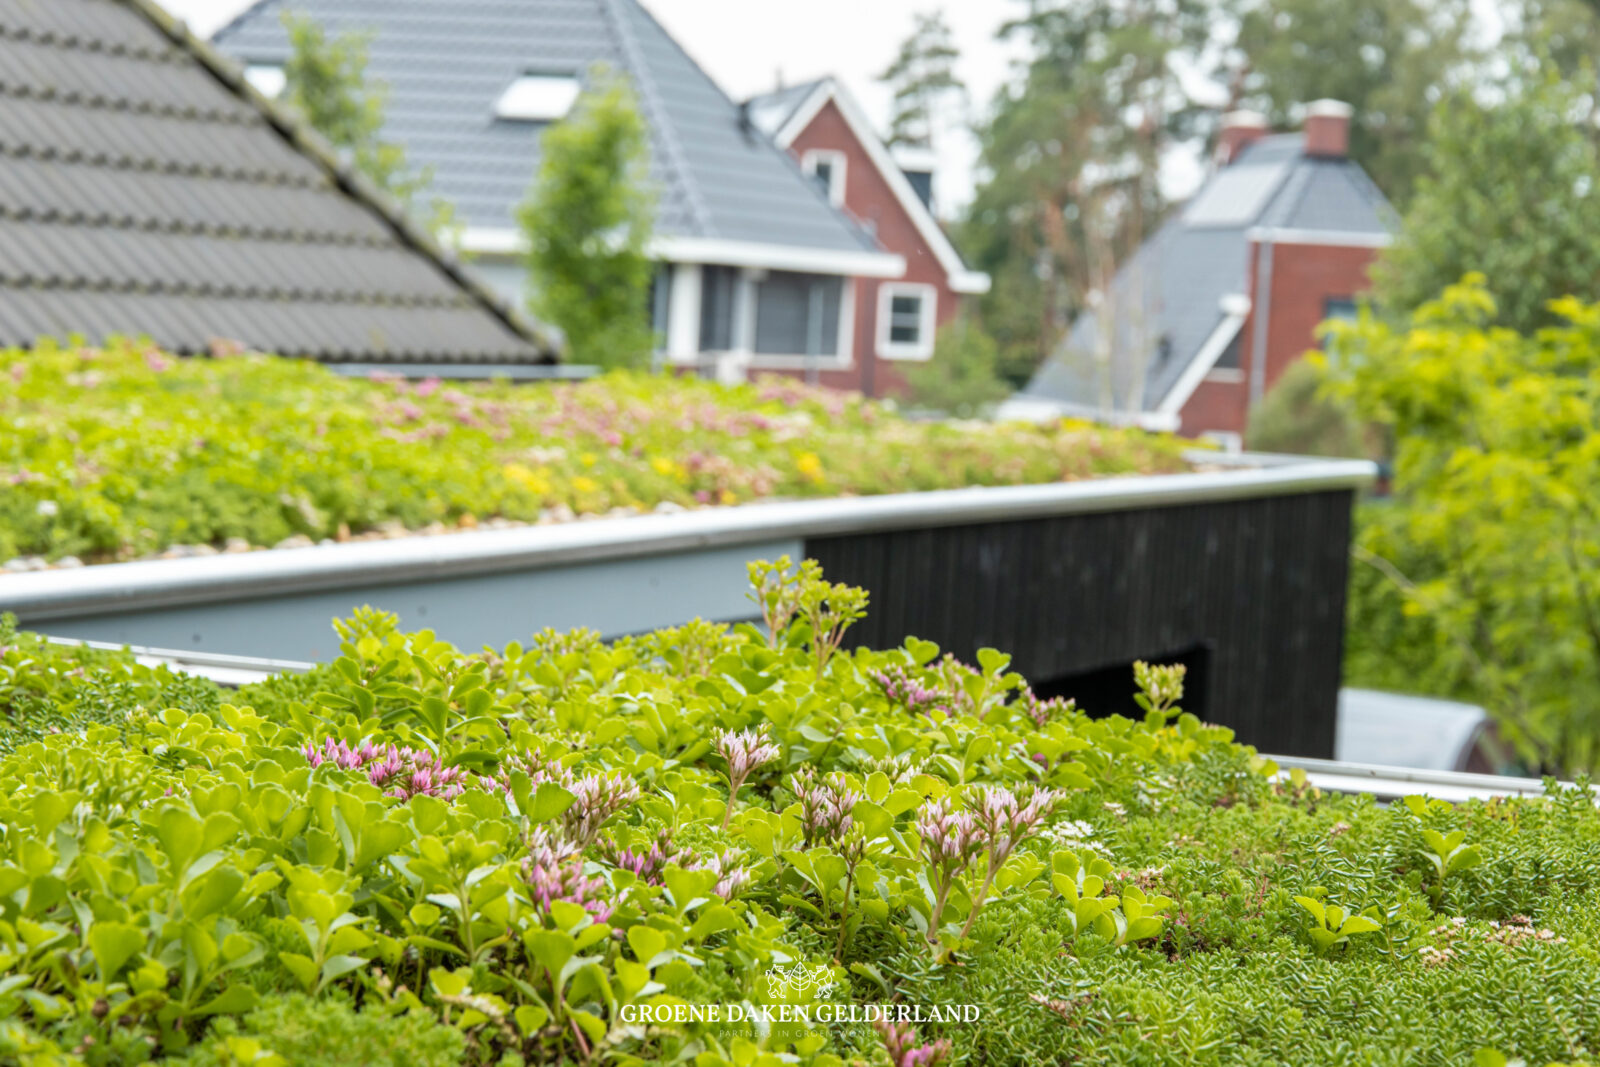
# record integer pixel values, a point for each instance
(585, 485)
(809, 466)
(728, 497)
(533, 481)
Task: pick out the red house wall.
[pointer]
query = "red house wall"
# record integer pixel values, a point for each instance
(868, 197)
(1303, 278)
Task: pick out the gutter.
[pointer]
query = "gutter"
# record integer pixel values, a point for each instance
(44, 595)
(1263, 308)
(496, 241)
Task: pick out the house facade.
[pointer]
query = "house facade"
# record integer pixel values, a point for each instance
(758, 269)
(891, 195)
(1207, 315)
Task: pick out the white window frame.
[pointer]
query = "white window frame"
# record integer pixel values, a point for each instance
(538, 97)
(844, 357)
(837, 164)
(922, 348)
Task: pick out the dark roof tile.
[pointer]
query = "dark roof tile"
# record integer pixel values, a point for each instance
(144, 190)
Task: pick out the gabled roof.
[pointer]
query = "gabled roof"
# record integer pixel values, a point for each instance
(1187, 285)
(144, 189)
(785, 113)
(726, 194)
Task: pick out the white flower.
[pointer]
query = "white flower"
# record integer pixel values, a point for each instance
(48, 508)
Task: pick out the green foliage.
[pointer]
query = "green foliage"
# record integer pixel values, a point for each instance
(588, 220)
(1332, 925)
(963, 376)
(1390, 643)
(47, 688)
(300, 1031)
(1509, 189)
(922, 77)
(1498, 447)
(326, 82)
(1300, 417)
(121, 452)
(1388, 59)
(437, 857)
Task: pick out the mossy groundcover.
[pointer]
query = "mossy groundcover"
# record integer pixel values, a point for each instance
(712, 845)
(126, 452)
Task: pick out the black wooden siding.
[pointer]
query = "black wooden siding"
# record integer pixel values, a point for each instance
(1258, 584)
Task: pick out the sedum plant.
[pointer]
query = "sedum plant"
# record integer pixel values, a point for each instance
(127, 452)
(565, 851)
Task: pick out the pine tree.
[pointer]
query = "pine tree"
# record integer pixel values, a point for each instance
(923, 78)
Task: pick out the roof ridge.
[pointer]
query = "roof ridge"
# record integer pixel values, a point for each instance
(1375, 196)
(314, 147)
(1290, 193)
(232, 24)
(644, 81)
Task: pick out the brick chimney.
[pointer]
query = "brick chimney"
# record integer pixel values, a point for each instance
(1239, 128)
(1328, 129)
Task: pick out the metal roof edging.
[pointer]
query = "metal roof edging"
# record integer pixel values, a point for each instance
(1381, 781)
(43, 595)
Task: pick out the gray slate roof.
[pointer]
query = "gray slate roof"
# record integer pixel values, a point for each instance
(1174, 285)
(143, 190)
(446, 63)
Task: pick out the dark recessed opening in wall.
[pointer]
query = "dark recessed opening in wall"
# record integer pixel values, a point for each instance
(1109, 690)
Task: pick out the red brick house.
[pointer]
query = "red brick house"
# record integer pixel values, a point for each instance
(891, 194)
(1229, 292)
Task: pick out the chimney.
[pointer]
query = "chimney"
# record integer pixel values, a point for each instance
(1239, 129)
(1328, 129)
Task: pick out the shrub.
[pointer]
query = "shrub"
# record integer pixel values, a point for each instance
(123, 452)
(1299, 417)
(588, 220)
(962, 378)
(1490, 540)
(419, 855)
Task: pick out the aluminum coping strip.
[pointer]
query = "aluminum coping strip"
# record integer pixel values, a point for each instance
(1391, 782)
(41, 595)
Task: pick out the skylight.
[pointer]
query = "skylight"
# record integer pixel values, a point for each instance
(1236, 196)
(267, 79)
(538, 98)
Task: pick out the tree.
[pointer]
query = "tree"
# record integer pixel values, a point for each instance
(1511, 190)
(923, 77)
(1492, 540)
(326, 82)
(1391, 60)
(1298, 416)
(588, 220)
(961, 378)
(1072, 155)
(1564, 32)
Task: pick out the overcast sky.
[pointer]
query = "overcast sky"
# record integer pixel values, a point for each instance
(746, 44)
